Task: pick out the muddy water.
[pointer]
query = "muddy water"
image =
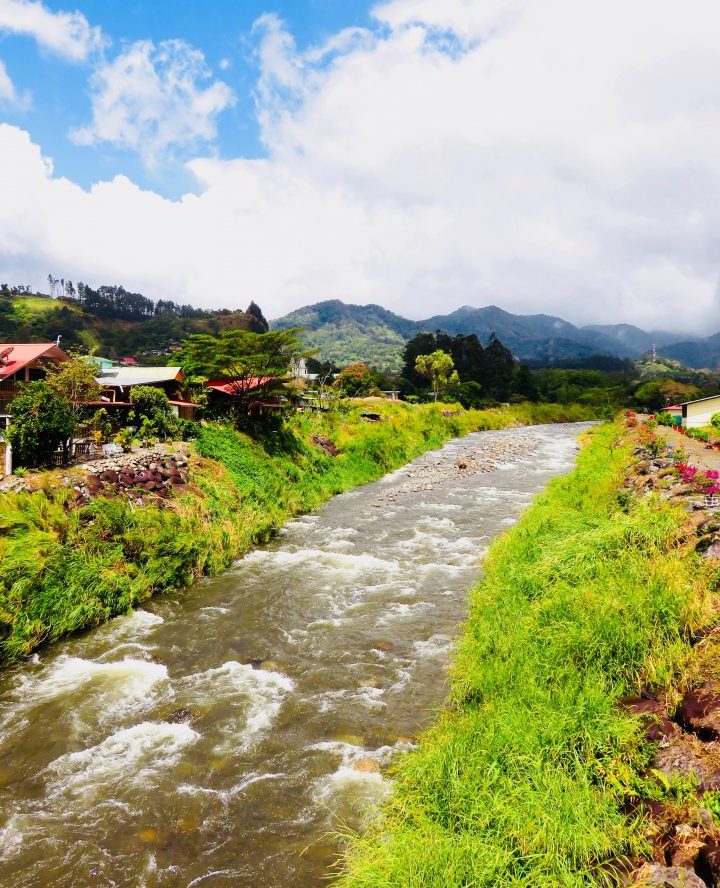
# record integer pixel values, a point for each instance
(216, 737)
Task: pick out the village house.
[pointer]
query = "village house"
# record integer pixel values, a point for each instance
(21, 362)
(118, 382)
(696, 414)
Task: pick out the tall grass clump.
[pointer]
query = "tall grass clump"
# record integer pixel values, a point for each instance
(63, 569)
(522, 779)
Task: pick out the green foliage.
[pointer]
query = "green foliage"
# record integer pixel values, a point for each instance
(42, 420)
(523, 779)
(74, 380)
(125, 438)
(152, 409)
(439, 369)
(715, 421)
(664, 419)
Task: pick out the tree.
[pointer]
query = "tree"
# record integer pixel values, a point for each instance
(355, 381)
(74, 380)
(258, 322)
(439, 369)
(499, 370)
(524, 383)
(41, 421)
(252, 365)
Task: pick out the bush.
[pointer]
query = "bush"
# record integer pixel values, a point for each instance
(664, 419)
(42, 420)
(152, 404)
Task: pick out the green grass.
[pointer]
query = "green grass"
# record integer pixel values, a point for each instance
(63, 569)
(522, 779)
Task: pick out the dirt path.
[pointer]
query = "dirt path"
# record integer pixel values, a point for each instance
(698, 454)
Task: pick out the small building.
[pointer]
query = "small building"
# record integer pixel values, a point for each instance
(118, 382)
(699, 413)
(676, 412)
(21, 362)
(102, 363)
(25, 362)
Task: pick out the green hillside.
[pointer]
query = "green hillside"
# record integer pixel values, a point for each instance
(347, 333)
(149, 338)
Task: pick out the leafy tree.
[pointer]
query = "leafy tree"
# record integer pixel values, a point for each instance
(470, 395)
(41, 421)
(257, 319)
(253, 365)
(75, 381)
(499, 369)
(524, 383)
(151, 409)
(439, 369)
(355, 381)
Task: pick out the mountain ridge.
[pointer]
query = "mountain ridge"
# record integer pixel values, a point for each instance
(345, 332)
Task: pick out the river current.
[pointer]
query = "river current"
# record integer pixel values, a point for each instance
(222, 734)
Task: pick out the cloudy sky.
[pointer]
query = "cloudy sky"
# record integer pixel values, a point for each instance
(557, 156)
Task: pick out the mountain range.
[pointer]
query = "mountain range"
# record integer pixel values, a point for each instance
(343, 333)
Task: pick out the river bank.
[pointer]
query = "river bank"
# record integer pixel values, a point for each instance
(533, 774)
(64, 566)
(218, 734)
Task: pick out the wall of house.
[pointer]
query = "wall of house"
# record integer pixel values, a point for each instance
(700, 413)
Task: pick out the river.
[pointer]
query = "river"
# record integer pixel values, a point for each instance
(220, 735)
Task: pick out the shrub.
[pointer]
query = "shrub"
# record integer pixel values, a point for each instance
(664, 419)
(42, 420)
(152, 404)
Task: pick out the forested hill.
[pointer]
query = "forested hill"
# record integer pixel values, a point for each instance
(343, 333)
(113, 321)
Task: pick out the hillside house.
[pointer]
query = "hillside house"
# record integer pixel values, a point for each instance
(25, 362)
(699, 413)
(118, 382)
(21, 362)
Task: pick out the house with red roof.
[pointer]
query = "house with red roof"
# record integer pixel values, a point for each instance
(25, 362)
(22, 362)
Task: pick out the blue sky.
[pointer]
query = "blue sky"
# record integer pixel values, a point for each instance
(222, 30)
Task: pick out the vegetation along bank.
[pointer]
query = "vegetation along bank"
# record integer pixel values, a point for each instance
(566, 755)
(66, 563)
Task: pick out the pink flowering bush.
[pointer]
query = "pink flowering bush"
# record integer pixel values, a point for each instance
(706, 483)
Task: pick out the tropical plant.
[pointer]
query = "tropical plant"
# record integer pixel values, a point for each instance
(125, 438)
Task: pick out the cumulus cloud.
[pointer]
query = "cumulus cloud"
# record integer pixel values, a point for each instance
(556, 157)
(69, 34)
(154, 99)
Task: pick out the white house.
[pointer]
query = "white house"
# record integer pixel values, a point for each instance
(699, 413)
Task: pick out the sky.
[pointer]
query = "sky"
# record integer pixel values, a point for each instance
(546, 156)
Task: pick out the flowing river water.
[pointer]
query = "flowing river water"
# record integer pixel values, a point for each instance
(220, 736)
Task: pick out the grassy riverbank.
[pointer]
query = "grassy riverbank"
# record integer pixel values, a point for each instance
(521, 781)
(62, 568)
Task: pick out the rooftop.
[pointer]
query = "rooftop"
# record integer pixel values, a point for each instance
(121, 377)
(16, 355)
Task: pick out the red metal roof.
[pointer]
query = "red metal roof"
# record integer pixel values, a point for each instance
(24, 353)
(239, 386)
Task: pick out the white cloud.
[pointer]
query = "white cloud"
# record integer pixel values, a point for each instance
(154, 99)
(68, 34)
(550, 156)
